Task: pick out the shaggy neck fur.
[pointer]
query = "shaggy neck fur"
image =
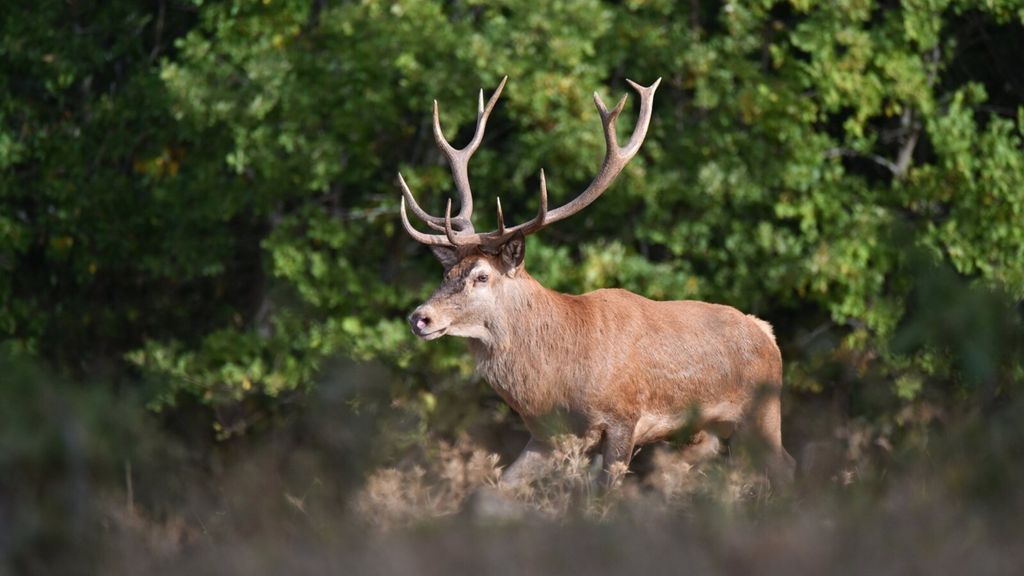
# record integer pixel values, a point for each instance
(523, 344)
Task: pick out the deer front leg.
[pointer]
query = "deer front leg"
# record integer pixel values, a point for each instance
(528, 465)
(618, 448)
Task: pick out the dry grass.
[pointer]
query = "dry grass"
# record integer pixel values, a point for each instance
(304, 504)
(416, 492)
(462, 477)
(441, 511)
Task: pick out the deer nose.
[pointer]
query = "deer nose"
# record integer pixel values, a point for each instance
(419, 321)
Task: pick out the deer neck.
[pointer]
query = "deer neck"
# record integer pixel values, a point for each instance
(523, 343)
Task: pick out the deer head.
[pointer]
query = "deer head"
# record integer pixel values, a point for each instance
(483, 272)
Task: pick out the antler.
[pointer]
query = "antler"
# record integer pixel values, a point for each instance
(459, 162)
(615, 160)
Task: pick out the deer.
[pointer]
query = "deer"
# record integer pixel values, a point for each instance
(609, 366)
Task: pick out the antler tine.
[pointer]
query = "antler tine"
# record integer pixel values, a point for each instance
(542, 211)
(428, 239)
(540, 219)
(608, 120)
(501, 218)
(434, 222)
(643, 121)
(450, 234)
(459, 159)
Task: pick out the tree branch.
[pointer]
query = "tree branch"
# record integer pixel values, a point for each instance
(851, 153)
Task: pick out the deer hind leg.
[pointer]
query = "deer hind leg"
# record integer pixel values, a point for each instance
(617, 450)
(530, 464)
(702, 446)
(762, 429)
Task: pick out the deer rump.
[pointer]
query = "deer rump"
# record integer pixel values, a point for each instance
(624, 369)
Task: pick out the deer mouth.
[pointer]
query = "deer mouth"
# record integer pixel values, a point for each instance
(431, 335)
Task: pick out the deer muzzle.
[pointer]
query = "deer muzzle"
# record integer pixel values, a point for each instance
(425, 324)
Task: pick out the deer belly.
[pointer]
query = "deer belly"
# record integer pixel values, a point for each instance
(558, 422)
(653, 426)
(720, 418)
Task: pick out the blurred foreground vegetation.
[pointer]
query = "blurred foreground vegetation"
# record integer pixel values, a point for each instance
(203, 281)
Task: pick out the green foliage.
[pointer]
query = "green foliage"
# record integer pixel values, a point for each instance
(110, 232)
(207, 191)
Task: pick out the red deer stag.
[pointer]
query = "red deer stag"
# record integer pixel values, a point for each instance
(615, 367)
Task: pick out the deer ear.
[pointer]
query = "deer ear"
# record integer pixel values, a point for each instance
(512, 253)
(448, 257)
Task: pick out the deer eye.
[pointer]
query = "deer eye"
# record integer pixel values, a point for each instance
(481, 278)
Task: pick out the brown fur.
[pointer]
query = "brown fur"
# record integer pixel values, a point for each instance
(610, 364)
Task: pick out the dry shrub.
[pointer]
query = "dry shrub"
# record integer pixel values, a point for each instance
(568, 482)
(446, 479)
(437, 487)
(438, 482)
(130, 528)
(709, 518)
(572, 484)
(672, 477)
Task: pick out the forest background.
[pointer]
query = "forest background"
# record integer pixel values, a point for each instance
(201, 261)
